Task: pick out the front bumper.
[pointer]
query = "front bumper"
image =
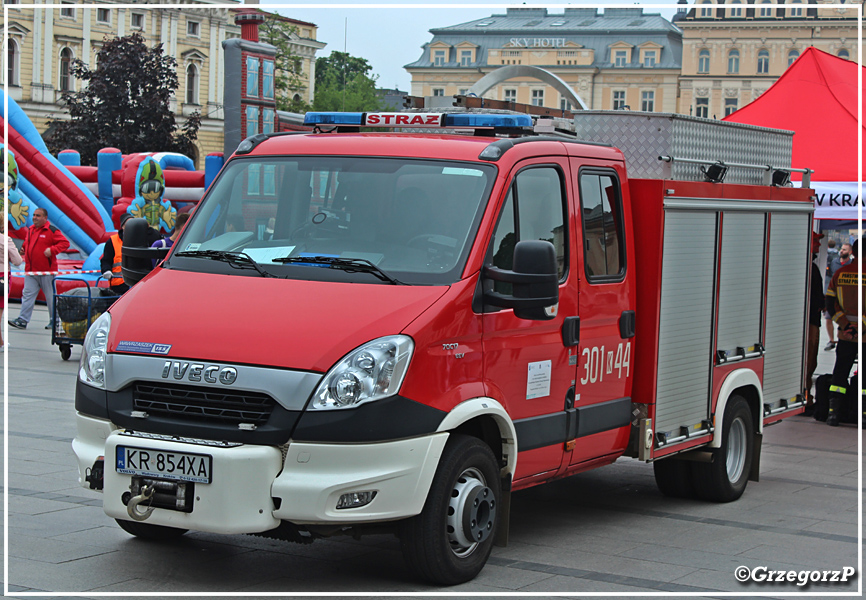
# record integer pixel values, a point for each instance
(248, 478)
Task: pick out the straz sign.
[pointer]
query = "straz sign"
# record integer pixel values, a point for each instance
(403, 120)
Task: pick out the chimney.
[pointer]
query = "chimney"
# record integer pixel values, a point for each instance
(249, 22)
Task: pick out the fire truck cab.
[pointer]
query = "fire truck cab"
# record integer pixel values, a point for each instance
(395, 330)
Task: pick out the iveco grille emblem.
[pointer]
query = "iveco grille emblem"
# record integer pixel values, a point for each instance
(198, 372)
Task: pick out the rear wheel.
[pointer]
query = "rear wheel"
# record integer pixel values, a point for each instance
(65, 351)
(450, 541)
(725, 478)
(149, 531)
(674, 478)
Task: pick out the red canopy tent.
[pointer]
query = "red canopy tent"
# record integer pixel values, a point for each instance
(817, 99)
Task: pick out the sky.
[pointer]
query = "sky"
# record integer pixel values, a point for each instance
(391, 35)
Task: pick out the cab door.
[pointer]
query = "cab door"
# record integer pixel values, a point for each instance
(527, 365)
(607, 319)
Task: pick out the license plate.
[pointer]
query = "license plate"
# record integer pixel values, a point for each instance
(180, 466)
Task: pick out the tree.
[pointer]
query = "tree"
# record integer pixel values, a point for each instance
(288, 80)
(343, 82)
(125, 104)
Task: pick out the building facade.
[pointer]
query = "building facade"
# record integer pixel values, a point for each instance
(618, 58)
(733, 51)
(43, 43)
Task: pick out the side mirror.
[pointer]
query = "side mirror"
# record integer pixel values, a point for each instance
(534, 280)
(136, 258)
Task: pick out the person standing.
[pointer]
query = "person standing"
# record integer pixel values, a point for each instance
(42, 243)
(14, 258)
(839, 260)
(109, 262)
(842, 297)
(816, 309)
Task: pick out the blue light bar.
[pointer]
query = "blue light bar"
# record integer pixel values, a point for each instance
(487, 120)
(334, 118)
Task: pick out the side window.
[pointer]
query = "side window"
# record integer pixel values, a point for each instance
(601, 214)
(533, 210)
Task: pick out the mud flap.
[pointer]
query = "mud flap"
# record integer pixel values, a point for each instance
(501, 538)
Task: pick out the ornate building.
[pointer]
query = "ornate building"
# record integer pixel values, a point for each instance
(615, 59)
(734, 50)
(43, 42)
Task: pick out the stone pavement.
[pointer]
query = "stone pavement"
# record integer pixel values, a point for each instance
(608, 530)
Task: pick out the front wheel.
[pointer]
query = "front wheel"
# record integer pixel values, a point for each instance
(450, 541)
(725, 478)
(148, 531)
(65, 351)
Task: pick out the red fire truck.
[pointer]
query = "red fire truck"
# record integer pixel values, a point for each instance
(363, 331)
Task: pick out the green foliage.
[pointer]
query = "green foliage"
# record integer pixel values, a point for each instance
(125, 104)
(288, 76)
(343, 82)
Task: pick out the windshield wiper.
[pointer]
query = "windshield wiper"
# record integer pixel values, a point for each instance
(349, 265)
(238, 260)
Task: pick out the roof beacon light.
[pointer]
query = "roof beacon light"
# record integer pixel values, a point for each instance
(420, 120)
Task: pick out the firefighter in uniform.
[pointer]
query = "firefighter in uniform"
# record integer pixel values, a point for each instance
(842, 297)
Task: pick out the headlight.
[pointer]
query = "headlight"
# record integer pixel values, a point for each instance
(371, 372)
(92, 366)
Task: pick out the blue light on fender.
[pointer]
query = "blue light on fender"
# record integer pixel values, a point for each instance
(334, 118)
(487, 120)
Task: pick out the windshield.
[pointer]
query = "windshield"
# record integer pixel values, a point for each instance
(413, 220)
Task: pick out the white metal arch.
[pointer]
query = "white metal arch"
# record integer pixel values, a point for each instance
(511, 71)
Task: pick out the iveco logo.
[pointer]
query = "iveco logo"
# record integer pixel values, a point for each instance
(199, 372)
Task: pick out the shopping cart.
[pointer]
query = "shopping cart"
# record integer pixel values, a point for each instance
(76, 310)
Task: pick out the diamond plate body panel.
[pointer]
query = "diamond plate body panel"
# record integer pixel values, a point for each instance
(644, 136)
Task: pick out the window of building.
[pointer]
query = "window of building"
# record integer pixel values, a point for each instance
(706, 10)
(66, 10)
(462, 91)
(792, 56)
(564, 104)
(537, 98)
(843, 53)
(736, 9)
(252, 76)
(136, 20)
(649, 58)
(619, 99)
(534, 210)
(763, 62)
(13, 56)
(796, 9)
(267, 120)
(438, 58)
(510, 95)
(268, 78)
(191, 84)
(465, 58)
(702, 107)
(619, 58)
(730, 105)
(601, 216)
(734, 61)
(252, 120)
(193, 28)
(65, 70)
(766, 11)
(647, 101)
(103, 15)
(438, 91)
(704, 61)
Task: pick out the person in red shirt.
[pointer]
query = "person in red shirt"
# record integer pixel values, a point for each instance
(42, 244)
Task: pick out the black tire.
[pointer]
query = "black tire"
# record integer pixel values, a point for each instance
(466, 483)
(674, 478)
(65, 351)
(725, 478)
(149, 531)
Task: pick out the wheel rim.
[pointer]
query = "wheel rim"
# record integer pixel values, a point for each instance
(735, 461)
(471, 512)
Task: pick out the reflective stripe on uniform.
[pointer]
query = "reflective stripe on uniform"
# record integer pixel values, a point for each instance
(838, 388)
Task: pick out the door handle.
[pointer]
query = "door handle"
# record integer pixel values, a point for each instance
(571, 331)
(627, 324)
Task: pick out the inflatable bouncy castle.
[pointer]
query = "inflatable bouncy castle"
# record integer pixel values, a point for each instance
(86, 203)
